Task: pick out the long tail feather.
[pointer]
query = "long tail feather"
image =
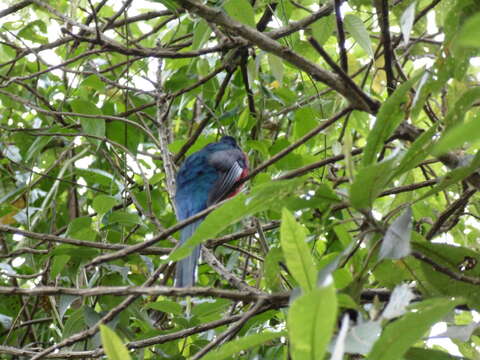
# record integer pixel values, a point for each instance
(186, 268)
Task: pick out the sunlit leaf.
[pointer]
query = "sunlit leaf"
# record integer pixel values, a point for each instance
(389, 116)
(311, 321)
(471, 26)
(356, 28)
(201, 34)
(240, 10)
(323, 28)
(406, 21)
(113, 345)
(296, 252)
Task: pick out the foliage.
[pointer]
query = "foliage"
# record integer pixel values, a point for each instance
(356, 234)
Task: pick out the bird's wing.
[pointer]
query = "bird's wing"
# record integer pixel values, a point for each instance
(230, 166)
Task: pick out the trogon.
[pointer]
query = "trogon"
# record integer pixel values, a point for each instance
(205, 178)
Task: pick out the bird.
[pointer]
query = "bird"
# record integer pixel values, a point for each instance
(206, 177)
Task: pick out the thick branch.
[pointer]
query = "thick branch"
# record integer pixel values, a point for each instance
(268, 44)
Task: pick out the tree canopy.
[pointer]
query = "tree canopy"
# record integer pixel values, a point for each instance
(356, 234)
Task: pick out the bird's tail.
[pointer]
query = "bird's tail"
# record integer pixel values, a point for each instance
(186, 268)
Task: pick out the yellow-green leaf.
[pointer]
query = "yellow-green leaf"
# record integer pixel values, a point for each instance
(297, 254)
(113, 345)
(311, 321)
(240, 10)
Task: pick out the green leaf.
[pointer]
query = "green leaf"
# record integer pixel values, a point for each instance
(89, 125)
(389, 117)
(276, 67)
(426, 87)
(370, 181)
(124, 134)
(459, 131)
(113, 345)
(262, 197)
(171, 5)
(227, 350)
(465, 36)
(401, 334)
(94, 82)
(201, 34)
(58, 264)
(457, 136)
(462, 105)
(305, 120)
(416, 153)
(167, 307)
(124, 218)
(240, 10)
(271, 269)
(356, 28)
(296, 252)
(103, 203)
(209, 311)
(311, 321)
(429, 354)
(454, 258)
(75, 323)
(323, 28)
(32, 32)
(78, 253)
(79, 224)
(37, 146)
(454, 177)
(81, 229)
(244, 119)
(95, 176)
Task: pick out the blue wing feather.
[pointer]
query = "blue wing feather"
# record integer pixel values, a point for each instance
(205, 178)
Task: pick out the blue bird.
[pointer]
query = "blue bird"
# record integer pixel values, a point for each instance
(205, 178)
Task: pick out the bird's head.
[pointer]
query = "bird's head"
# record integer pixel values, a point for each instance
(229, 140)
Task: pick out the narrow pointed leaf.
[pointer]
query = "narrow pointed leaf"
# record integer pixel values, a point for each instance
(457, 136)
(406, 22)
(356, 28)
(201, 34)
(396, 243)
(454, 176)
(389, 117)
(297, 254)
(370, 181)
(416, 153)
(311, 321)
(113, 345)
(401, 297)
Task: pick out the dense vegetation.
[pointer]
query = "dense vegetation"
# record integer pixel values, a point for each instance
(357, 231)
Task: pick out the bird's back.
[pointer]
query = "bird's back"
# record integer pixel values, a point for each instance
(197, 177)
